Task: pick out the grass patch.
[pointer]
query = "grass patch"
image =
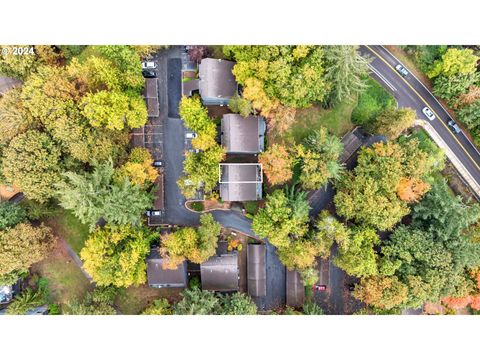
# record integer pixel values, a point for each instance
(197, 206)
(336, 120)
(133, 300)
(370, 103)
(251, 207)
(67, 226)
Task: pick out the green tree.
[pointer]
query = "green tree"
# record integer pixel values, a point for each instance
(311, 308)
(327, 231)
(359, 258)
(189, 243)
(283, 219)
(10, 215)
(100, 301)
(455, 61)
(240, 105)
(237, 304)
(13, 117)
(393, 122)
(114, 110)
(159, 307)
(138, 169)
(12, 277)
(25, 301)
(15, 65)
(32, 162)
(197, 302)
(115, 255)
(381, 292)
(470, 115)
(24, 245)
(451, 87)
(346, 71)
(96, 195)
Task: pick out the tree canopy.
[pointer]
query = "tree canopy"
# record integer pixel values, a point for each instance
(277, 164)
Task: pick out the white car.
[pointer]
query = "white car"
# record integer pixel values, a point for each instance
(428, 113)
(190, 135)
(149, 65)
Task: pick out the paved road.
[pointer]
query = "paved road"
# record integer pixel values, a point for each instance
(410, 92)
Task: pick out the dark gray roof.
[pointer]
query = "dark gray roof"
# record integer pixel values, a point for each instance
(7, 83)
(217, 83)
(220, 273)
(243, 134)
(256, 271)
(151, 96)
(158, 277)
(240, 182)
(295, 289)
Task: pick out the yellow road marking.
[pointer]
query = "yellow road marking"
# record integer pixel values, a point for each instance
(425, 102)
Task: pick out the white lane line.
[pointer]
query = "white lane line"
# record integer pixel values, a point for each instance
(388, 83)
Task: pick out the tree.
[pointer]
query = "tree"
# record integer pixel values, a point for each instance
(114, 110)
(311, 308)
(455, 61)
(139, 169)
(32, 162)
(100, 301)
(237, 304)
(159, 307)
(381, 292)
(392, 122)
(94, 196)
(470, 115)
(13, 117)
(10, 215)
(292, 75)
(318, 156)
(115, 255)
(15, 65)
(411, 190)
(346, 71)
(283, 219)
(240, 105)
(298, 255)
(197, 52)
(368, 194)
(329, 230)
(24, 245)
(359, 258)
(189, 243)
(451, 87)
(25, 301)
(277, 164)
(197, 302)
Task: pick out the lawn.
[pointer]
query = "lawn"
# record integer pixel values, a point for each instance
(370, 103)
(67, 226)
(336, 120)
(133, 300)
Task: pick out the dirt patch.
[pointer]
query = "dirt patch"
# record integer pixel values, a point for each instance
(456, 183)
(135, 299)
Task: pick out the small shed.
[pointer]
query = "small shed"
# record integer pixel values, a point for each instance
(295, 289)
(220, 273)
(256, 270)
(159, 277)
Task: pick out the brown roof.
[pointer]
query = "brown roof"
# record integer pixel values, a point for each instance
(7, 83)
(151, 96)
(159, 203)
(220, 273)
(256, 271)
(158, 277)
(243, 134)
(295, 289)
(240, 182)
(217, 83)
(188, 87)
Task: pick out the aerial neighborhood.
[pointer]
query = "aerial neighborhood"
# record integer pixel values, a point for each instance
(239, 180)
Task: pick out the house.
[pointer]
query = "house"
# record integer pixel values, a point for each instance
(256, 270)
(240, 182)
(220, 273)
(7, 83)
(159, 277)
(295, 290)
(243, 135)
(216, 81)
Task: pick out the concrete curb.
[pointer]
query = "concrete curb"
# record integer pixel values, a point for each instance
(451, 156)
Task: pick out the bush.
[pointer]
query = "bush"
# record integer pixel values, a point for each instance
(10, 215)
(197, 206)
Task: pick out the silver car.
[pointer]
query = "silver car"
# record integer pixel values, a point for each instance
(401, 70)
(456, 129)
(428, 113)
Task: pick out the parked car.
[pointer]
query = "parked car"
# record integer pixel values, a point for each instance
(196, 151)
(158, 163)
(150, 213)
(428, 113)
(149, 65)
(402, 70)
(351, 286)
(319, 287)
(456, 129)
(149, 73)
(190, 135)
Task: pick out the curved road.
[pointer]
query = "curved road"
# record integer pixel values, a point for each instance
(410, 92)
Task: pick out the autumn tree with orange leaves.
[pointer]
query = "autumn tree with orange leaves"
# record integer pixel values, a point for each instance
(277, 164)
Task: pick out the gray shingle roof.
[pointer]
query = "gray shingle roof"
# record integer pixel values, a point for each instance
(220, 273)
(295, 289)
(240, 182)
(243, 134)
(256, 270)
(158, 277)
(217, 83)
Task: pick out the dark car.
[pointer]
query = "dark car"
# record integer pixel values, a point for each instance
(158, 163)
(319, 287)
(456, 129)
(149, 73)
(351, 287)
